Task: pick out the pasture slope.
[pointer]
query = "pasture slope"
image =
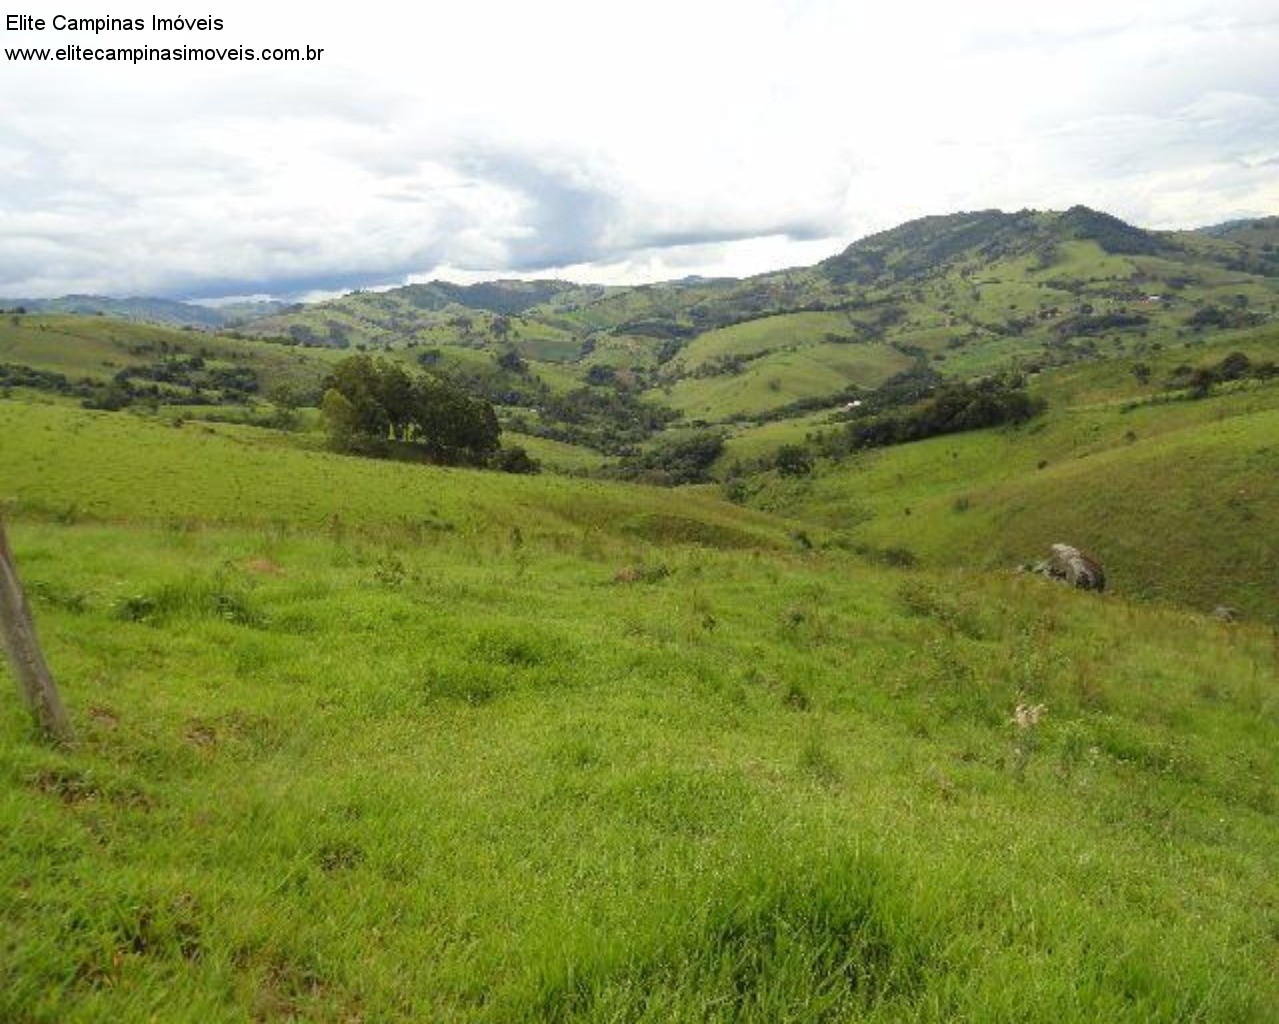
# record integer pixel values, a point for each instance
(376, 742)
(1179, 498)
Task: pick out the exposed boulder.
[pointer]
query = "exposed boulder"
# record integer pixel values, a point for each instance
(1071, 566)
(641, 574)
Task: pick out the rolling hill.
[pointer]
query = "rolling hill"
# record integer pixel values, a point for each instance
(166, 312)
(366, 739)
(966, 293)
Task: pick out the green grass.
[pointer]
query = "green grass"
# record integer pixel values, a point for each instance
(765, 335)
(1179, 500)
(379, 741)
(71, 463)
(476, 779)
(781, 378)
(555, 455)
(99, 347)
(366, 740)
(760, 441)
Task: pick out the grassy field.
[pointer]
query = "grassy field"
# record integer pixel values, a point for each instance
(761, 441)
(369, 741)
(73, 464)
(765, 335)
(377, 741)
(97, 348)
(1179, 499)
(783, 377)
(556, 456)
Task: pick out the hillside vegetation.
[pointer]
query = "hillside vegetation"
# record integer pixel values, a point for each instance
(377, 740)
(966, 293)
(367, 740)
(1179, 497)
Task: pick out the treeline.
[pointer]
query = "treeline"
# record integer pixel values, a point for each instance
(1217, 318)
(14, 375)
(605, 417)
(924, 411)
(184, 381)
(951, 409)
(233, 385)
(602, 415)
(1201, 380)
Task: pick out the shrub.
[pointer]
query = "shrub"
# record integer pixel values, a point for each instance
(684, 461)
(516, 460)
(793, 460)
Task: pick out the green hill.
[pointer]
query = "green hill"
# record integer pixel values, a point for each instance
(165, 312)
(369, 740)
(964, 294)
(1178, 497)
(967, 293)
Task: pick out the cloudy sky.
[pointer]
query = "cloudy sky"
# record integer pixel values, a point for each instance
(609, 140)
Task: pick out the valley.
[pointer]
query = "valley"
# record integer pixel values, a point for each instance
(379, 739)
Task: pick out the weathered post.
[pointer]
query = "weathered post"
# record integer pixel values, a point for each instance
(18, 637)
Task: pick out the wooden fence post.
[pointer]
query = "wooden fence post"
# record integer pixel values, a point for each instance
(18, 637)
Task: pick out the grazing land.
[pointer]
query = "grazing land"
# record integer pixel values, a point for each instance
(373, 740)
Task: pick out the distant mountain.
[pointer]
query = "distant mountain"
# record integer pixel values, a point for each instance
(957, 294)
(234, 313)
(928, 251)
(502, 297)
(925, 246)
(1257, 231)
(167, 312)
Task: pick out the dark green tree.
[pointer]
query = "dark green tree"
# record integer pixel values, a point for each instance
(375, 406)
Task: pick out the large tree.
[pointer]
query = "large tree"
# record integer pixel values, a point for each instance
(373, 405)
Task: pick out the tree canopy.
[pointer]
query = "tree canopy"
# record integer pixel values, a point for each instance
(373, 405)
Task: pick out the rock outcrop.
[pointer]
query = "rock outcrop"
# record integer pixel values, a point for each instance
(1071, 566)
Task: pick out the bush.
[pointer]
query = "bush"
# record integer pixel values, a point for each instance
(793, 460)
(686, 461)
(516, 460)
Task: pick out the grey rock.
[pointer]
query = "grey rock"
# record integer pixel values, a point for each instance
(1071, 566)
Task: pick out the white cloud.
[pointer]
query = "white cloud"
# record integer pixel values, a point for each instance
(617, 142)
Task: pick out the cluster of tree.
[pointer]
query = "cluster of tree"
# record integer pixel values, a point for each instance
(726, 365)
(306, 336)
(906, 388)
(14, 375)
(607, 419)
(1264, 263)
(1200, 380)
(507, 380)
(949, 409)
(884, 319)
(606, 415)
(1215, 318)
(686, 460)
(1113, 235)
(376, 407)
(233, 384)
(171, 383)
(793, 460)
(1090, 324)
